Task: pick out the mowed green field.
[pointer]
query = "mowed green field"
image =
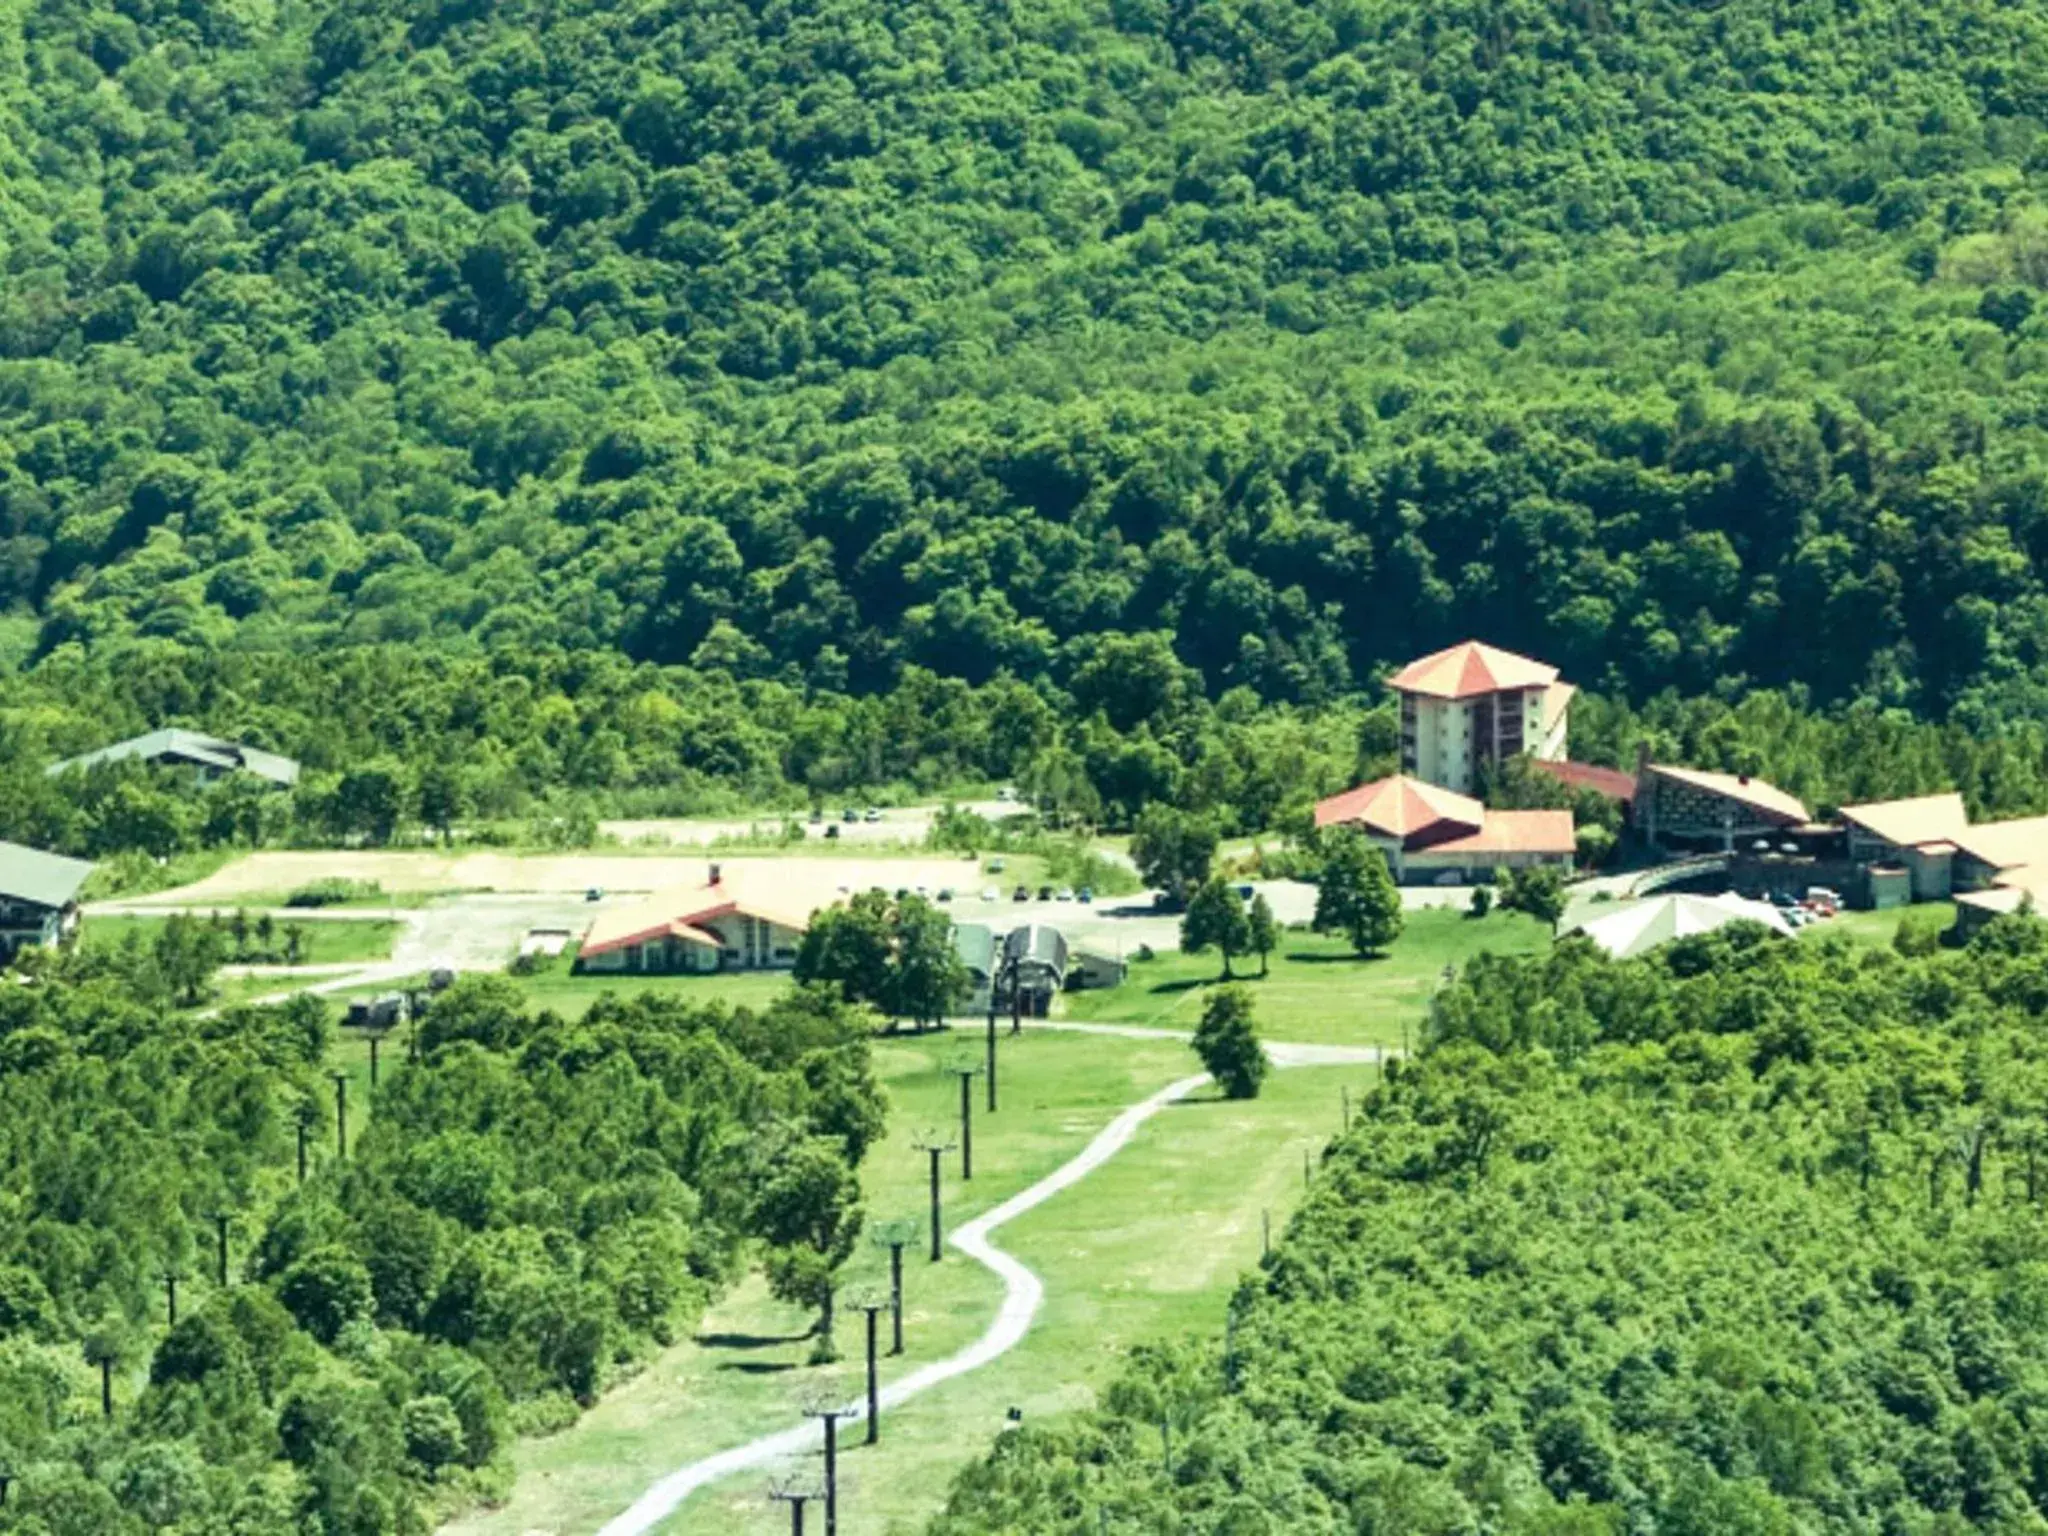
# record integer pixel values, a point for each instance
(572, 996)
(325, 942)
(1316, 989)
(1148, 1245)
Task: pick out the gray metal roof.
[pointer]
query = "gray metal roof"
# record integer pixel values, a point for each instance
(975, 944)
(47, 879)
(1036, 943)
(174, 743)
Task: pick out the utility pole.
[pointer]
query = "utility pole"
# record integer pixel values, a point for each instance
(170, 1298)
(895, 1236)
(221, 1219)
(992, 1045)
(305, 1125)
(934, 1145)
(340, 1114)
(375, 1037)
(796, 1490)
(966, 1069)
(873, 1302)
(827, 1406)
(6, 1481)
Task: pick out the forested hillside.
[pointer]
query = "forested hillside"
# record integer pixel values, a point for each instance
(1682, 344)
(533, 1208)
(1745, 1239)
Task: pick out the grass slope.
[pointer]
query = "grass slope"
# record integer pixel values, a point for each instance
(1316, 988)
(1151, 1243)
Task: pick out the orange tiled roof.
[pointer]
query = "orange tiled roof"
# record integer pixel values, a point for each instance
(1399, 807)
(1516, 832)
(680, 912)
(1614, 783)
(1465, 671)
(1911, 823)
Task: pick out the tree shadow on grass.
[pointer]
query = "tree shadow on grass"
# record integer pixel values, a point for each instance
(757, 1367)
(1338, 959)
(749, 1340)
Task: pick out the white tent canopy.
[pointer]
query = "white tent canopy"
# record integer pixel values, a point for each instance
(1640, 926)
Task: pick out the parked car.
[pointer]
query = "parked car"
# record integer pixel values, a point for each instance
(872, 815)
(850, 814)
(1085, 895)
(1064, 893)
(990, 893)
(1045, 893)
(1244, 892)
(595, 893)
(945, 893)
(1783, 900)
(1022, 893)
(1006, 794)
(995, 866)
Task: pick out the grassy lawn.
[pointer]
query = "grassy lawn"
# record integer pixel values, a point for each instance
(1149, 1245)
(325, 943)
(1317, 990)
(571, 996)
(1878, 927)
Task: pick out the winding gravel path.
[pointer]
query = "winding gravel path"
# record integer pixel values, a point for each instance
(1023, 1291)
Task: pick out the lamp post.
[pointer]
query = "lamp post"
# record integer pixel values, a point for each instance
(934, 1145)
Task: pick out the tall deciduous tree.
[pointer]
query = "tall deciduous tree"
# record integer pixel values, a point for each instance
(1355, 893)
(1262, 932)
(809, 1213)
(1215, 919)
(1173, 850)
(1227, 1040)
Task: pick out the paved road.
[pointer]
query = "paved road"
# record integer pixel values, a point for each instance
(1023, 1290)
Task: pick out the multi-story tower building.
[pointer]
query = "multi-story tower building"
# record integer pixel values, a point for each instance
(1471, 706)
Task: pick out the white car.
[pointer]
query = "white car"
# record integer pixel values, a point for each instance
(990, 893)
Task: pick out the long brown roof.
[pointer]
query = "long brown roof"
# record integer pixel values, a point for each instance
(1754, 793)
(1910, 823)
(2006, 844)
(1468, 670)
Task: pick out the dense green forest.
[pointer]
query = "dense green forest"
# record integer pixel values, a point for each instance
(1744, 1239)
(533, 1207)
(1106, 353)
